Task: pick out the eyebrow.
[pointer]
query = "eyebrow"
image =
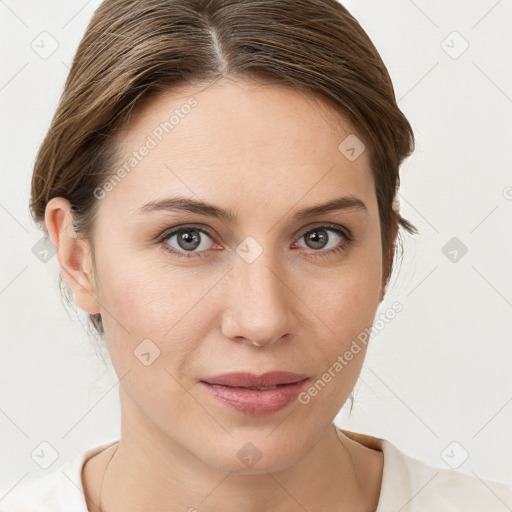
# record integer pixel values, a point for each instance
(185, 204)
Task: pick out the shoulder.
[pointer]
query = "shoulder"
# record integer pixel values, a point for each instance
(40, 494)
(411, 485)
(425, 487)
(58, 491)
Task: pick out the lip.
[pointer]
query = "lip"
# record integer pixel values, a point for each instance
(255, 402)
(245, 379)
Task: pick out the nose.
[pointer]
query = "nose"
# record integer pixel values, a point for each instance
(259, 303)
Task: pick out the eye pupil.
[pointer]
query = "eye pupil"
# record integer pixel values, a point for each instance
(184, 239)
(318, 237)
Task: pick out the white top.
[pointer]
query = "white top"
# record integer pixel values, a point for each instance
(408, 485)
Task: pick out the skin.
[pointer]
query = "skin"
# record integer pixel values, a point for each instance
(264, 152)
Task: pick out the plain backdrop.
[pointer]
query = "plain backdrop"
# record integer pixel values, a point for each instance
(436, 381)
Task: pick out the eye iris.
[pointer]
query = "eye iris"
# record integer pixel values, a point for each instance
(184, 238)
(319, 236)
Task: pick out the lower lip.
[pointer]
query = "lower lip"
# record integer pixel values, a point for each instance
(254, 402)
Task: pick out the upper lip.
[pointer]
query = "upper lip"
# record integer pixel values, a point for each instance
(243, 379)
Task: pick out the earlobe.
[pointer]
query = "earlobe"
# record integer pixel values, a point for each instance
(74, 255)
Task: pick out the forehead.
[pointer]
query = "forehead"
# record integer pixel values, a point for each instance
(240, 141)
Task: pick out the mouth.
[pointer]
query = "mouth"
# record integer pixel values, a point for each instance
(262, 382)
(258, 388)
(256, 400)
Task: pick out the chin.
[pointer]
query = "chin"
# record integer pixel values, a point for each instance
(252, 458)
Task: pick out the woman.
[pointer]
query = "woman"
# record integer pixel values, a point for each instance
(219, 181)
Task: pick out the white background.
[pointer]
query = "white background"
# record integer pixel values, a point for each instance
(438, 373)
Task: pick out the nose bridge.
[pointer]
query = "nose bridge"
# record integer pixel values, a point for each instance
(259, 306)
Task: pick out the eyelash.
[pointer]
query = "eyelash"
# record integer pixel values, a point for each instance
(162, 239)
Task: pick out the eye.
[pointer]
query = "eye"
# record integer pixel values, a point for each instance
(186, 241)
(192, 241)
(324, 244)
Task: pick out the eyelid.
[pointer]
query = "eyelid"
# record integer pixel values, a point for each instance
(182, 227)
(336, 227)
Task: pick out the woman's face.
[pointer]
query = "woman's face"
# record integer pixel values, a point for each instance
(258, 292)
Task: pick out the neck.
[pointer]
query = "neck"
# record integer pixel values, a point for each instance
(150, 470)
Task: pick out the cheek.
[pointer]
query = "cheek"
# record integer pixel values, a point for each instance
(169, 305)
(147, 303)
(347, 307)
(351, 294)
(148, 319)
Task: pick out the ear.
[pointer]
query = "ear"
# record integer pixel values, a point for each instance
(394, 234)
(395, 227)
(391, 255)
(74, 255)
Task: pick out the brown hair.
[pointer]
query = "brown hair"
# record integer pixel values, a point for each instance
(134, 49)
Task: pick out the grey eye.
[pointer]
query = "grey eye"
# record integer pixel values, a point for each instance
(319, 238)
(190, 239)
